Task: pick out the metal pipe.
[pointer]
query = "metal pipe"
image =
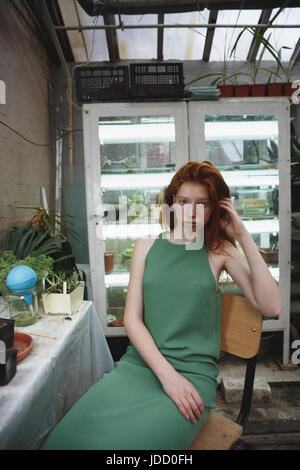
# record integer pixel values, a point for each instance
(154, 26)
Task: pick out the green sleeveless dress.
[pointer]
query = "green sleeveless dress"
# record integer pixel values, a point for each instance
(128, 408)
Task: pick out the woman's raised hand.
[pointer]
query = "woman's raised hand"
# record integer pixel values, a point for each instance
(185, 396)
(232, 225)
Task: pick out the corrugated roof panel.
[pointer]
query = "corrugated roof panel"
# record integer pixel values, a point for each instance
(137, 43)
(95, 40)
(184, 43)
(224, 38)
(284, 37)
(70, 14)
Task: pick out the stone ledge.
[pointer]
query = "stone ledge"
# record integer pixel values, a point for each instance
(268, 370)
(274, 416)
(232, 390)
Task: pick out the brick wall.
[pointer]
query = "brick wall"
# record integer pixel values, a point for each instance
(24, 167)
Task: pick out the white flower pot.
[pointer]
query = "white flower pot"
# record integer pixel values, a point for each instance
(64, 304)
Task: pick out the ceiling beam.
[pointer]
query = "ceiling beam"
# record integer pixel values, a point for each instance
(136, 7)
(213, 15)
(263, 19)
(264, 16)
(69, 14)
(176, 26)
(296, 53)
(112, 39)
(160, 38)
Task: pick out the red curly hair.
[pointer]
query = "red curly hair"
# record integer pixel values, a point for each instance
(206, 174)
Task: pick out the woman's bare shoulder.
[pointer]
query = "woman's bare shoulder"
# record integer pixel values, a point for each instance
(145, 242)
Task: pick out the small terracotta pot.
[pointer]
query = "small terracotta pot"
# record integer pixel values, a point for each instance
(269, 256)
(241, 90)
(274, 89)
(288, 90)
(109, 260)
(258, 89)
(226, 91)
(117, 322)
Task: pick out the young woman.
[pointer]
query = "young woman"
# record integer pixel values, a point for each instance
(163, 388)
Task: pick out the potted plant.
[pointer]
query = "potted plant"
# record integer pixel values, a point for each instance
(286, 70)
(258, 89)
(41, 264)
(127, 162)
(232, 89)
(56, 227)
(105, 162)
(270, 255)
(273, 88)
(109, 257)
(109, 260)
(25, 240)
(63, 294)
(44, 233)
(225, 81)
(140, 199)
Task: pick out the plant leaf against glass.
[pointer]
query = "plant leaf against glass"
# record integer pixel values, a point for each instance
(223, 61)
(258, 62)
(259, 40)
(234, 75)
(205, 76)
(271, 72)
(287, 69)
(226, 58)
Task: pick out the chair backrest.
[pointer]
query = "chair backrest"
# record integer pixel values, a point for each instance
(241, 326)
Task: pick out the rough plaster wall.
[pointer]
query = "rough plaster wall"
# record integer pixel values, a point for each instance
(24, 167)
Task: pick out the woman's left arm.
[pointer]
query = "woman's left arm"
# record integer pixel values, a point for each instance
(254, 279)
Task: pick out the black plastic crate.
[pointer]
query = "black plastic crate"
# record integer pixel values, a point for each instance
(161, 80)
(102, 83)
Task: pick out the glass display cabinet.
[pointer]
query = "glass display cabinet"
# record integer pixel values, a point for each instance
(248, 139)
(132, 151)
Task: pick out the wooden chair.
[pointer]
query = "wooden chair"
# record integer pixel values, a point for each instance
(241, 328)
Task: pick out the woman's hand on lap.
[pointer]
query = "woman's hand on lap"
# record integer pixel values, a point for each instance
(185, 396)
